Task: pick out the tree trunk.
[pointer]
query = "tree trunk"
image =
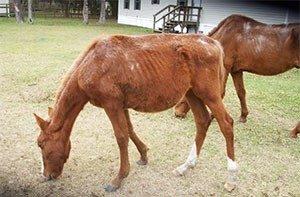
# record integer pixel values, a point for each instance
(85, 12)
(18, 11)
(30, 17)
(66, 6)
(102, 12)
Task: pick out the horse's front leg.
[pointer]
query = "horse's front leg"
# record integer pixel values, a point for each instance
(118, 119)
(226, 125)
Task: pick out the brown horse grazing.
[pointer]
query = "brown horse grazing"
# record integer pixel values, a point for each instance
(148, 74)
(253, 47)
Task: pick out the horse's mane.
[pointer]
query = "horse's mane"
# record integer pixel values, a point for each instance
(75, 65)
(238, 17)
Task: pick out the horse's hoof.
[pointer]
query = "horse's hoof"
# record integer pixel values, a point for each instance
(230, 186)
(178, 172)
(293, 135)
(142, 162)
(110, 188)
(243, 119)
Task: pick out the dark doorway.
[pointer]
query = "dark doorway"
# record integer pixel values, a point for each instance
(112, 9)
(182, 2)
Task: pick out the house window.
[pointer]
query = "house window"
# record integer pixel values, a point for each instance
(137, 4)
(154, 1)
(126, 4)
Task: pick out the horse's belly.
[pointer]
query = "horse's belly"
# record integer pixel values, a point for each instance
(266, 69)
(156, 95)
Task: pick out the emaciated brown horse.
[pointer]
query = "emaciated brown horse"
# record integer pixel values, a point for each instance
(145, 73)
(253, 47)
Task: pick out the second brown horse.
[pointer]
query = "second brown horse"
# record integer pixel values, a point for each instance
(254, 47)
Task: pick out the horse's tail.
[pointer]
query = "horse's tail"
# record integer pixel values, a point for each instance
(223, 77)
(223, 74)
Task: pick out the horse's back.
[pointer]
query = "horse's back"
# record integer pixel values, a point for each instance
(253, 46)
(150, 73)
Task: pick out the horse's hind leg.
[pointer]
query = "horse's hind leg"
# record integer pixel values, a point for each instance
(118, 119)
(226, 125)
(241, 92)
(202, 120)
(142, 148)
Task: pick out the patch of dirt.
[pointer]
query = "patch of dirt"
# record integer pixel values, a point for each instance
(94, 159)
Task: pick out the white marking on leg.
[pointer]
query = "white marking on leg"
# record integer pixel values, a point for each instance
(232, 174)
(231, 165)
(189, 163)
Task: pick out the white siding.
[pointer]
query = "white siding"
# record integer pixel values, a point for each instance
(143, 17)
(293, 17)
(216, 10)
(3, 10)
(212, 13)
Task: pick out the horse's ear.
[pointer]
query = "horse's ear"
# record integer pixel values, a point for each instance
(50, 111)
(42, 123)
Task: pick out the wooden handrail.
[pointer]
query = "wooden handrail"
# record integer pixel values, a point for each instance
(6, 7)
(176, 8)
(162, 10)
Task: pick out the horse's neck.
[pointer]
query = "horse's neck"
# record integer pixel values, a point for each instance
(67, 107)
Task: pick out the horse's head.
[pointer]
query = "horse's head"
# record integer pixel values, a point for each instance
(55, 148)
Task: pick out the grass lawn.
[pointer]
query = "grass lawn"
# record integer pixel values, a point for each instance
(34, 58)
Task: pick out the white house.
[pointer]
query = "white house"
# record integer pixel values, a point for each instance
(3, 9)
(140, 12)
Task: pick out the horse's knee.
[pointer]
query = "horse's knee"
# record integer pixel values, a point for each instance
(229, 119)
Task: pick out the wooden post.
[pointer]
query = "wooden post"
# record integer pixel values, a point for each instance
(85, 12)
(18, 11)
(154, 21)
(102, 18)
(169, 8)
(163, 27)
(198, 20)
(30, 17)
(6, 8)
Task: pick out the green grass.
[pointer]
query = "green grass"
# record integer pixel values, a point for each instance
(33, 59)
